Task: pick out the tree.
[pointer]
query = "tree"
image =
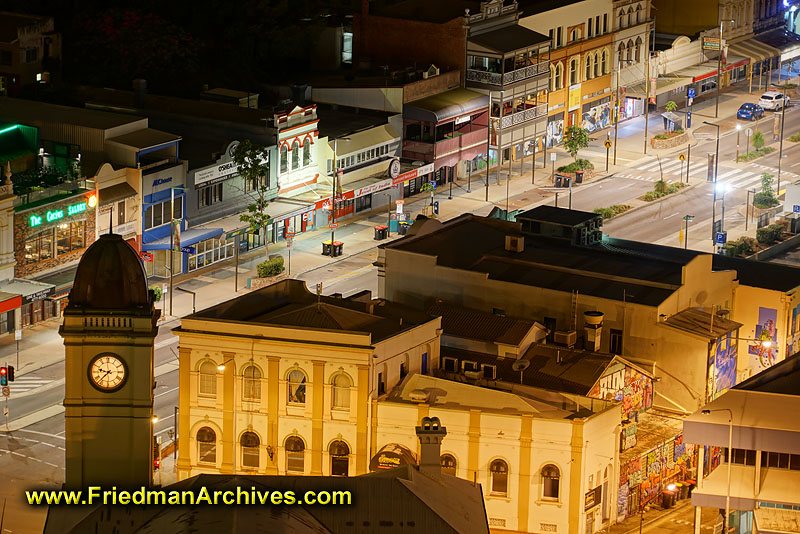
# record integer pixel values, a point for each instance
(765, 198)
(671, 106)
(758, 140)
(428, 186)
(253, 165)
(575, 138)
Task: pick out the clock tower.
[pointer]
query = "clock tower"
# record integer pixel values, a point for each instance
(108, 329)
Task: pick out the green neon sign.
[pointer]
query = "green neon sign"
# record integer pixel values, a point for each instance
(54, 215)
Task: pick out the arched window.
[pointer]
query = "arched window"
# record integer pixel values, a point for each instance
(341, 392)
(559, 75)
(284, 159)
(630, 16)
(550, 479)
(306, 152)
(449, 464)
(596, 62)
(629, 51)
(295, 155)
(297, 387)
(588, 66)
(340, 458)
(208, 379)
(498, 470)
(621, 53)
(250, 449)
(638, 49)
(206, 446)
(295, 455)
(251, 383)
(604, 61)
(574, 73)
(553, 85)
(621, 17)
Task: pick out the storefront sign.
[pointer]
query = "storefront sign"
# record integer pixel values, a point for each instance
(146, 256)
(462, 120)
(161, 181)
(592, 498)
(710, 43)
(39, 295)
(54, 215)
(410, 175)
(574, 97)
(215, 173)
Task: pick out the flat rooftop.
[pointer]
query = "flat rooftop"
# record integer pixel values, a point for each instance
(30, 112)
(438, 12)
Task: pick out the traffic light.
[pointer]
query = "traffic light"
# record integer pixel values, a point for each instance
(3, 376)
(156, 457)
(10, 373)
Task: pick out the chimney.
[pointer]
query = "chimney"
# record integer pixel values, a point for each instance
(592, 328)
(430, 435)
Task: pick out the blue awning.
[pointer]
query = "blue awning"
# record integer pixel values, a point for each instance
(188, 237)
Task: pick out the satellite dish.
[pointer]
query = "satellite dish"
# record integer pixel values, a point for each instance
(520, 365)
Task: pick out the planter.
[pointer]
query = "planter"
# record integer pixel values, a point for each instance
(258, 283)
(672, 142)
(587, 174)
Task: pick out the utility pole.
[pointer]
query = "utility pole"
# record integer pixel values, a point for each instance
(488, 145)
(647, 100)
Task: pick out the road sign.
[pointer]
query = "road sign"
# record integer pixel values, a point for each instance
(401, 202)
(552, 156)
(333, 225)
(188, 250)
(146, 256)
(795, 209)
(288, 242)
(5, 411)
(749, 132)
(689, 101)
(688, 119)
(6, 391)
(691, 93)
(721, 238)
(18, 333)
(607, 143)
(682, 156)
(289, 235)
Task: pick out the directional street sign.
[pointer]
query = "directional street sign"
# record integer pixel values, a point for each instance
(607, 143)
(6, 391)
(796, 208)
(682, 156)
(749, 132)
(289, 235)
(333, 225)
(721, 238)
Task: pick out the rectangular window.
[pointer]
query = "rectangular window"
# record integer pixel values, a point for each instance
(597, 24)
(381, 384)
(615, 344)
(489, 372)
(207, 196)
(559, 42)
(605, 23)
(46, 246)
(450, 364)
(347, 47)
(589, 27)
(121, 212)
(158, 215)
(31, 55)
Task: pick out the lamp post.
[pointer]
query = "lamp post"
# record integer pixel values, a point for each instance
(686, 220)
(172, 239)
(388, 214)
(716, 169)
(333, 192)
(730, 457)
(616, 118)
(738, 136)
(747, 207)
(722, 188)
(780, 148)
(719, 64)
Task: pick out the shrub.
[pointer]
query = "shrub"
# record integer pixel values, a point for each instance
(764, 200)
(662, 191)
(744, 246)
(678, 131)
(578, 165)
(674, 188)
(757, 153)
(157, 292)
(270, 267)
(612, 211)
(662, 136)
(652, 195)
(660, 187)
(758, 140)
(795, 138)
(769, 234)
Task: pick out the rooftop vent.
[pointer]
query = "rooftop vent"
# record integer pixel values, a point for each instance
(515, 243)
(566, 338)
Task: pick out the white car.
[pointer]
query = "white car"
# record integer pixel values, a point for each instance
(773, 100)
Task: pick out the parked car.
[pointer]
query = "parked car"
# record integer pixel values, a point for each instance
(750, 112)
(773, 100)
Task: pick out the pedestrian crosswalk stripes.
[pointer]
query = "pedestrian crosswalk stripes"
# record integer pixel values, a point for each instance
(27, 383)
(734, 178)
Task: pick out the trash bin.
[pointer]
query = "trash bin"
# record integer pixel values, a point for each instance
(380, 232)
(402, 227)
(326, 248)
(558, 181)
(578, 177)
(684, 488)
(337, 248)
(667, 498)
(566, 182)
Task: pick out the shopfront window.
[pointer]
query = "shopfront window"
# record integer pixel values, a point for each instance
(158, 214)
(210, 251)
(6, 322)
(70, 236)
(207, 196)
(160, 264)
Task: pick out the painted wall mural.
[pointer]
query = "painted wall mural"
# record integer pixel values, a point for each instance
(762, 357)
(623, 383)
(722, 366)
(793, 343)
(597, 117)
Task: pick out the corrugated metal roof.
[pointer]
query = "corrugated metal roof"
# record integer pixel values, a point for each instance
(470, 324)
(702, 323)
(447, 105)
(30, 112)
(145, 138)
(508, 39)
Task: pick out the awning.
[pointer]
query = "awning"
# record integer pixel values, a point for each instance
(508, 39)
(188, 238)
(112, 194)
(63, 280)
(9, 301)
(755, 50)
(708, 69)
(232, 225)
(391, 456)
(664, 84)
(443, 106)
(777, 520)
(28, 290)
(788, 45)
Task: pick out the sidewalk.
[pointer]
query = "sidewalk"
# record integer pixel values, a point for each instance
(679, 518)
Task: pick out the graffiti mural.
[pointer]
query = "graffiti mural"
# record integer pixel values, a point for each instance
(597, 117)
(622, 501)
(793, 343)
(623, 383)
(761, 356)
(722, 367)
(555, 130)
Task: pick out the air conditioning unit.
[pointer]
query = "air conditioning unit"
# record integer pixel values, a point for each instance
(567, 338)
(515, 243)
(473, 375)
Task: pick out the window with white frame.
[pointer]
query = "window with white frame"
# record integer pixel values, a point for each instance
(306, 152)
(341, 392)
(296, 387)
(251, 445)
(551, 478)
(251, 383)
(206, 446)
(210, 251)
(208, 379)
(295, 455)
(158, 214)
(363, 157)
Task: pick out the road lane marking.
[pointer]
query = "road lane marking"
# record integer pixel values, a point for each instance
(165, 392)
(162, 344)
(43, 434)
(673, 215)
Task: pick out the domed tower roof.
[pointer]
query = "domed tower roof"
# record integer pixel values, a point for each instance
(110, 276)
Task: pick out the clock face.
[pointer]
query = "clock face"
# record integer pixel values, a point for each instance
(107, 372)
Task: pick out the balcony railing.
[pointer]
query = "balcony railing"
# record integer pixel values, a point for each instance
(445, 147)
(524, 116)
(496, 78)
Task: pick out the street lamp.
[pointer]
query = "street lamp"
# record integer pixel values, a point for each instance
(686, 219)
(722, 188)
(719, 63)
(716, 169)
(747, 206)
(730, 457)
(616, 121)
(780, 149)
(333, 193)
(172, 239)
(388, 214)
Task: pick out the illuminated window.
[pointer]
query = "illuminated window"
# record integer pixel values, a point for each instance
(448, 464)
(341, 392)
(208, 379)
(207, 445)
(340, 458)
(251, 383)
(498, 470)
(250, 449)
(295, 455)
(296, 384)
